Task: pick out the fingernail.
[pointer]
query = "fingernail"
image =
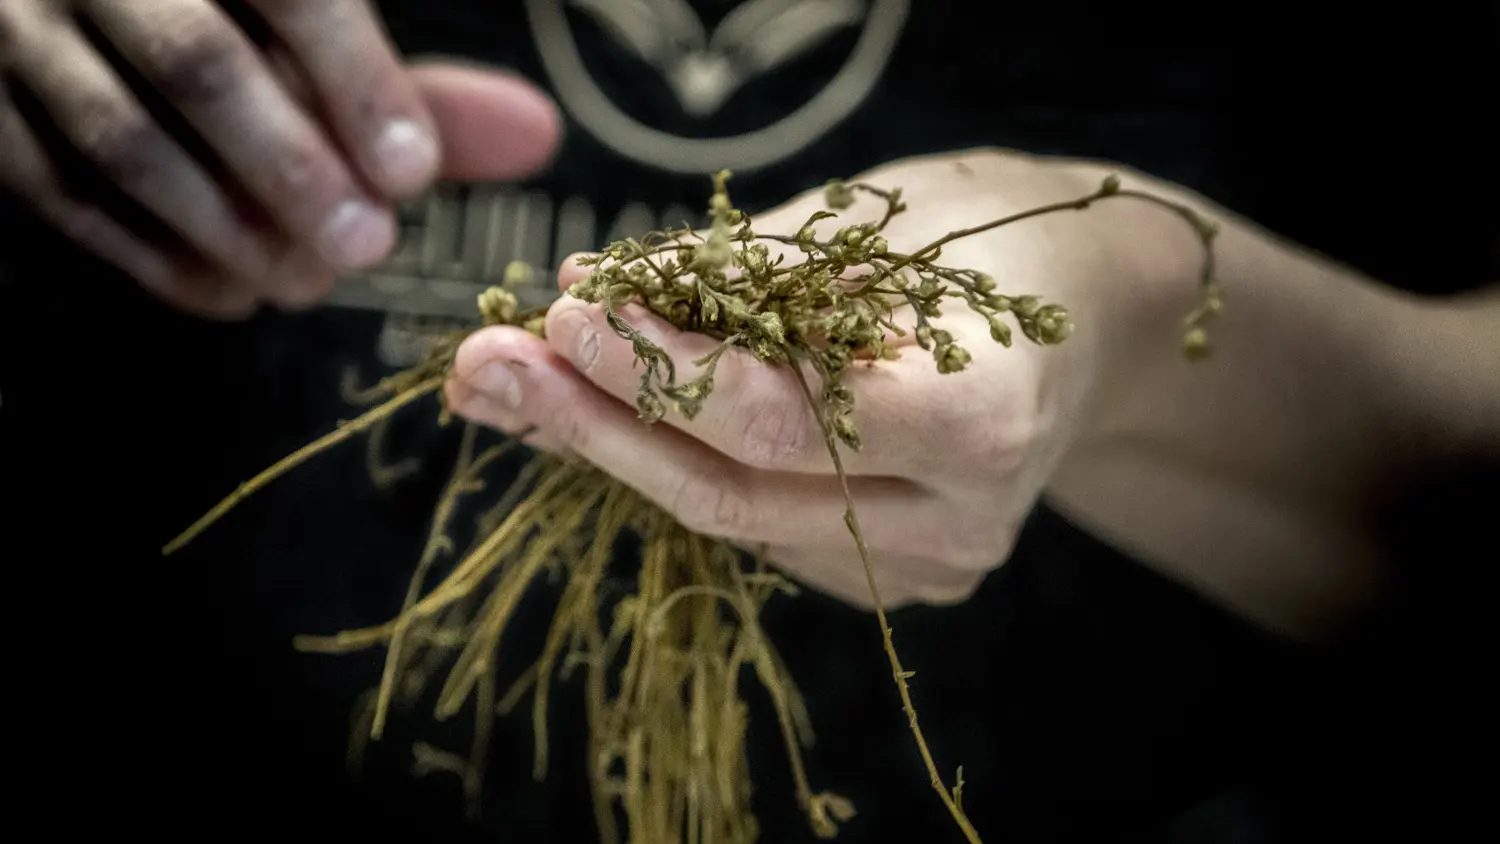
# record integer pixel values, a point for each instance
(587, 349)
(498, 382)
(407, 153)
(358, 235)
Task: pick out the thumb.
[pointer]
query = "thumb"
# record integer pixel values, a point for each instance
(494, 125)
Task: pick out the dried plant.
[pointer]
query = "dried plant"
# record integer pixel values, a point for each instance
(662, 664)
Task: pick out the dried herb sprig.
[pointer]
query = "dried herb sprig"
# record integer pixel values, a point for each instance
(667, 742)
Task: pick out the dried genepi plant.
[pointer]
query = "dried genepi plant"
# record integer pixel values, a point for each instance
(662, 664)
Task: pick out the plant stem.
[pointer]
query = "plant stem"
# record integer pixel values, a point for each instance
(298, 457)
(851, 520)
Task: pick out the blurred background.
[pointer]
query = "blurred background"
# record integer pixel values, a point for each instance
(1086, 696)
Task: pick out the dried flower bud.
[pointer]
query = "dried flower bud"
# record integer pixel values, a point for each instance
(879, 246)
(826, 812)
(951, 359)
(924, 336)
(983, 283)
(708, 303)
(771, 327)
(715, 254)
(844, 429)
(839, 356)
(690, 395)
(518, 274)
(497, 306)
(1111, 185)
(755, 258)
(1052, 324)
(838, 195)
(1000, 332)
(1026, 306)
(649, 407)
(1195, 343)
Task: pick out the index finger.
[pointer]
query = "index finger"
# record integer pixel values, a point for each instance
(375, 109)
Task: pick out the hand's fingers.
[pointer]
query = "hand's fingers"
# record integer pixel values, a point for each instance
(758, 414)
(362, 87)
(493, 125)
(508, 378)
(207, 69)
(26, 169)
(97, 113)
(913, 421)
(291, 77)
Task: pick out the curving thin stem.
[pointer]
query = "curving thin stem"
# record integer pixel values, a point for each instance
(901, 675)
(297, 458)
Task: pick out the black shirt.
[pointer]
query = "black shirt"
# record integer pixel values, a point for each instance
(1081, 692)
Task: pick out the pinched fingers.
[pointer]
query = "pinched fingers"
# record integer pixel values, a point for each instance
(374, 106)
(98, 115)
(207, 69)
(27, 170)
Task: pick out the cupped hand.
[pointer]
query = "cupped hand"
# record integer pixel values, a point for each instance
(950, 464)
(271, 168)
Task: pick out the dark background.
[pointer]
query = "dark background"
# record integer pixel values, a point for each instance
(1082, 693)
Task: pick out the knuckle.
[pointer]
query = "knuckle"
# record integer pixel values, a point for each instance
(294, 167)
(576, 334)
(711, 505)
(1002, 447)
(976, 557)
(88, 226)
(1006, 451)
(775, 433)
(195, 60)
(565, 423)
(980, 545)
(125, 143)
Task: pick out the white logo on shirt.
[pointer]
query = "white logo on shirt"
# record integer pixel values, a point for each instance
(704, 69)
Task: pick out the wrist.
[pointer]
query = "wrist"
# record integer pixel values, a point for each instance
(1248, 474)
(1145, 280)
(1444, 387)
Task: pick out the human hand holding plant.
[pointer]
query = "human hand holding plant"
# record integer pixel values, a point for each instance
(851, 304)
(949, 463)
